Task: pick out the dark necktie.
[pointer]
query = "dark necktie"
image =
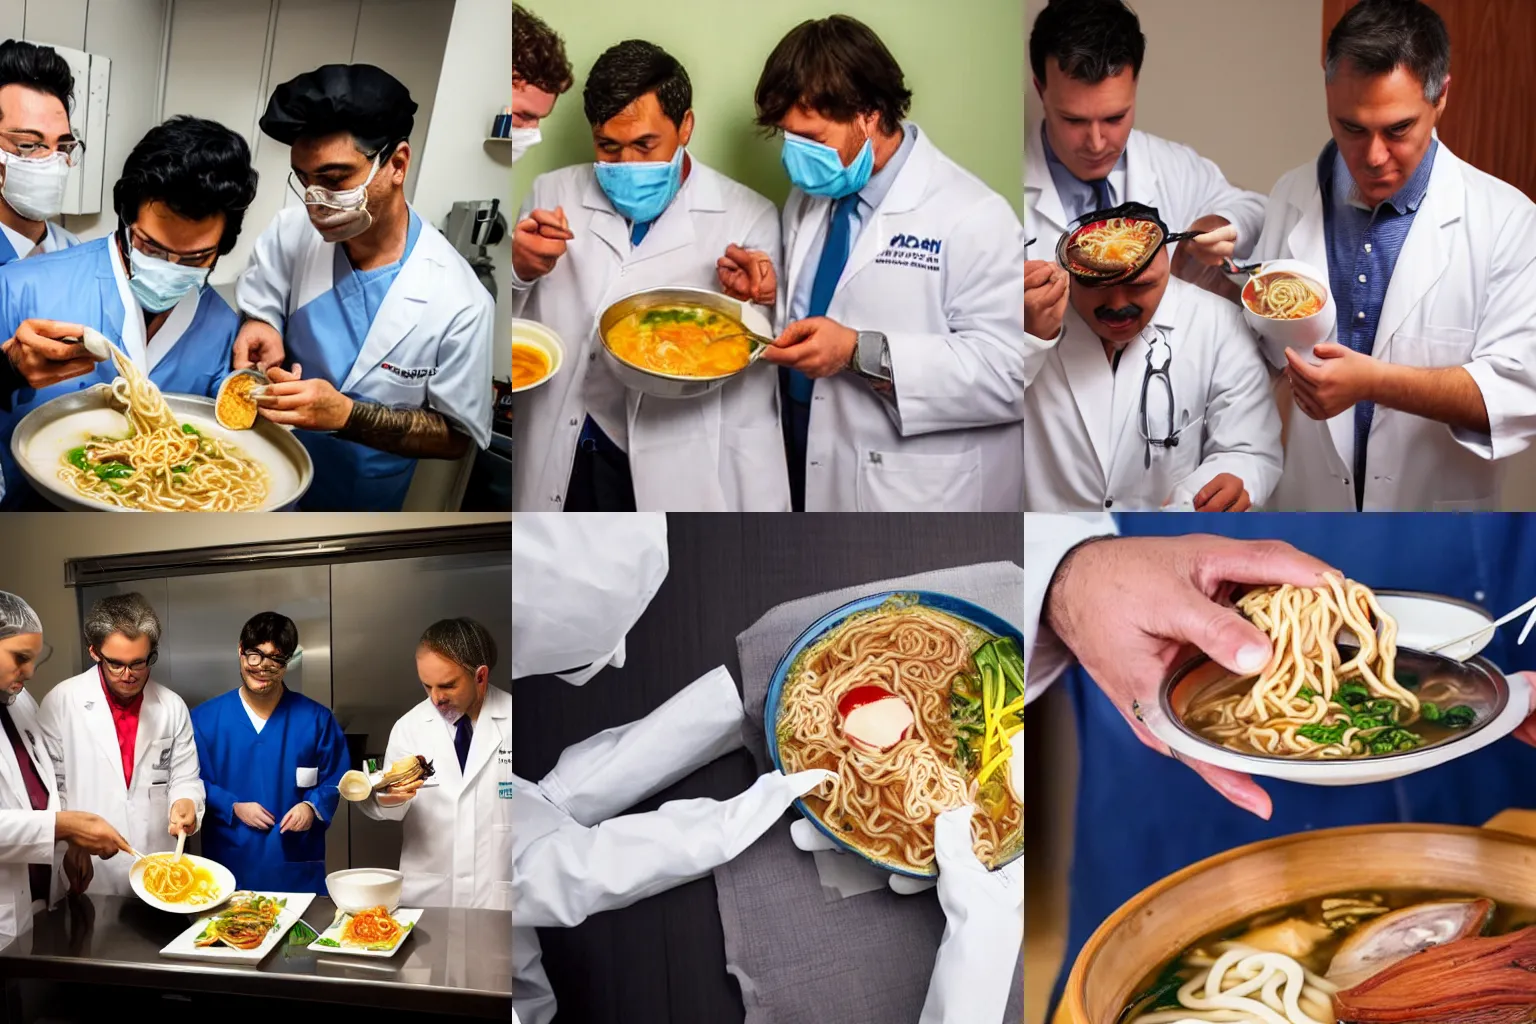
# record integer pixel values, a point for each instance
(462, 734)
(40, 875)
(1101, 194)
(834, 257)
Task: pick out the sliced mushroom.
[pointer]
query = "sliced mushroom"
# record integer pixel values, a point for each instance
(1392, 937)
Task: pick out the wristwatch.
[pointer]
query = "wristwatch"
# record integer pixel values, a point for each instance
(871, 356)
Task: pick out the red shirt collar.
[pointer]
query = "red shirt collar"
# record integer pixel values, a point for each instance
(113, 699)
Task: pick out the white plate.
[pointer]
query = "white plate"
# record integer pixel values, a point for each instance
(407, 919)
(184, 946)
(1424, 620)
(221, 875)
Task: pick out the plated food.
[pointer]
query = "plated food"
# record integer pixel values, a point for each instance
(244, 923)
(244, 932)
(162, 464)
(372, 932)
(1284, 295)
(1111, 246)
(917, 710)
(181, 883)
(680, 340)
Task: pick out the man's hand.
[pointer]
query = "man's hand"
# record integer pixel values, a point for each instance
(747, 275)
(1224, 493)
(1344, 378)
(817, 347)
(298, 819)
(1045, 298)
(258, 345)
(254, 815)
(78, 868)
(1126, 606)
(183, 817)
(538, 242)
(394, 796)
(41, 354)
(1217, 241)
(312, 404)
(89, 831)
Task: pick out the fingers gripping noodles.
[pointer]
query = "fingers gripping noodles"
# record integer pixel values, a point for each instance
(161, 465)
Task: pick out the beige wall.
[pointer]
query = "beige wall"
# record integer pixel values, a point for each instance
(37, 544)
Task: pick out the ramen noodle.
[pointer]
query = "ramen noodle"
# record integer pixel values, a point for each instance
(172, 879)
(373, 928)
(1283, 296)
(683, 341)
(530, 364)
(1115, 244)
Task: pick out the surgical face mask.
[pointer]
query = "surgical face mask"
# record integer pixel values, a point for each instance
(35, 188)
(158, 285)
(339, 216)
(640, 191)
(524, 139)
(815, 168)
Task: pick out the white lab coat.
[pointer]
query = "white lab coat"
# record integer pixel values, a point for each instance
(719, 452)
(1047, 540)
(456, 850)
(88, 765)
(936, 270)
(1181, 184)
(26, 836)
(1082, 426)
(1461, 295)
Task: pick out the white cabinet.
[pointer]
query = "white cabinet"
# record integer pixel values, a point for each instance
(93, 75)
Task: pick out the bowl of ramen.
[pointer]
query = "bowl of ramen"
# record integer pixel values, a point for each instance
(126, 447)
(915, 701)
(679, 342)
(181, 885)
(1289, 302)
(537, 353)
(1342, 701)
(1381, 923)
(1111, 249)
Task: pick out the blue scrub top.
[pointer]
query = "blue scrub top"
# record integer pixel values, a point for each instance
(1141, 816)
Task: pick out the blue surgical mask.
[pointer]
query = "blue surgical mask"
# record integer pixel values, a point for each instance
(159, 285)
(816, 169)
(640, 191)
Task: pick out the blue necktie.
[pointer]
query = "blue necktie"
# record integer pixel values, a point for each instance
(638, 232)
(834, 257)
(462, 734)
(1101, 194)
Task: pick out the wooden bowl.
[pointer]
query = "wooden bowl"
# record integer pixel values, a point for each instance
(1164, 919)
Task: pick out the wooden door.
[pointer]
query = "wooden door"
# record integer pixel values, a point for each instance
(1490, 117)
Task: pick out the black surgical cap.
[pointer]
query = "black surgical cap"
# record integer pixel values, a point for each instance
(367, 101)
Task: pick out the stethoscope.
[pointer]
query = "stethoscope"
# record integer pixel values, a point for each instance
(1159, 359)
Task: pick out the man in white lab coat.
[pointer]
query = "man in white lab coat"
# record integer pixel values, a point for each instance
(903, 352)
(32, 820)
(541, 74)
(1431, 384)
(121, 744)
(646, 214)
(1082, 154)
(1153, 395)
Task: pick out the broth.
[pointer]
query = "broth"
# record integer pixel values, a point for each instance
(683, 341)
(1284, 296)
(530, 364)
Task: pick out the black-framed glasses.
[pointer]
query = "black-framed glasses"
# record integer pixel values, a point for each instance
(119, 668)
(201, 259)
(254, 658)
(29, 146)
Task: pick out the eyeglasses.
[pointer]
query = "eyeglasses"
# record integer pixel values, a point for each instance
(299, 183)
(1157, 402)
(119, 668)
(30, 147)
(136, 238)
(253, 658)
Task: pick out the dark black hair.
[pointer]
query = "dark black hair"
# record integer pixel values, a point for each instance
(194, 166)
(270, 628)
(1379, 36)
(36, 67)
(1090, 40)
(628, 71)
(837, 67)
(538, 53)
(462, 641)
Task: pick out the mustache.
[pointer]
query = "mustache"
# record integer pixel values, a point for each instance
(1130, 312)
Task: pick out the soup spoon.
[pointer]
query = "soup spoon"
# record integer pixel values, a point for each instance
(1462, 648)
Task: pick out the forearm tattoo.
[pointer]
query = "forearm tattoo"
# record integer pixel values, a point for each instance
(415, 433)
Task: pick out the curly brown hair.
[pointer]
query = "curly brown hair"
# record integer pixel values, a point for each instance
(538, 54)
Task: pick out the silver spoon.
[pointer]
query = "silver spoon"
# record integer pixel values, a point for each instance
(1471, 641)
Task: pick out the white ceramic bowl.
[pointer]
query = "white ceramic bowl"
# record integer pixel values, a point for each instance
(357, 889)
(1299, 334)
(531, 332)
(224, 877)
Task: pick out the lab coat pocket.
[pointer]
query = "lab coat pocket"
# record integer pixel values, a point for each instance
(389, 390)
(920, 482)
(306, 778)
(159, 807)
(1434, 347)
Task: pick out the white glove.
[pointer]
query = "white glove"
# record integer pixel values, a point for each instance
(983, 931)
(579, 583)
(574, 871)
(616, 769)
(811, 839)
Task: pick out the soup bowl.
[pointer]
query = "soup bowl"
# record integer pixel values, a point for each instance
(956, 607)
(1300, 334)
(223, 878)
(669, 385)
(535, 334)
(1164, 919)
(354, 890)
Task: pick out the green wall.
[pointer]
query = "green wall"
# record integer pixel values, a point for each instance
(963, 61)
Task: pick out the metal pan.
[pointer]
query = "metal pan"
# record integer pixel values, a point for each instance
(666, 385)
(1086, 271)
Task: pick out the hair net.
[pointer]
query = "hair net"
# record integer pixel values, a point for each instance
(462, 641)
(17, 617)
